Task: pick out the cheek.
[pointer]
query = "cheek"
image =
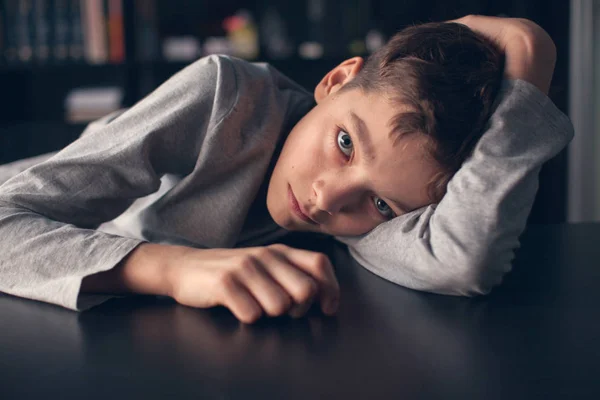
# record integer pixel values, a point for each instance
(310, 153)
(352, 225)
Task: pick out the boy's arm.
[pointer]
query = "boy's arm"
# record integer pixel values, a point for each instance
(48, 214)
(465, 244)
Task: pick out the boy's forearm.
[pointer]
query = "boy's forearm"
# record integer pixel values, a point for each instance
(146, 270)
(529, 50)
(530, 55)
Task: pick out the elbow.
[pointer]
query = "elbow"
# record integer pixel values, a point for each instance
(477, 278)
(534, 37)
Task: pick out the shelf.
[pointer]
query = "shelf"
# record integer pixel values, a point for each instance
(52, 67)
(35, 67)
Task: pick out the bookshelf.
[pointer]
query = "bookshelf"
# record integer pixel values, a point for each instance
(135, 45)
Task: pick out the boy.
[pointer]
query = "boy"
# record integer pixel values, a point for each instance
(227, 153)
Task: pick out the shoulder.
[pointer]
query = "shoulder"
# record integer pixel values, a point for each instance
(249, 75)
(227, 77)
(243, 91)
(213, 81)
(209, 73)
(227, 70)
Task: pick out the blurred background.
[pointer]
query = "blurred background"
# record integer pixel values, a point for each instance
(64, 63)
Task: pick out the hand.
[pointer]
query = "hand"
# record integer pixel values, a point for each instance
(275, 279)
(530, 52)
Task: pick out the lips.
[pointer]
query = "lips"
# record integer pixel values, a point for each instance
(295, 207)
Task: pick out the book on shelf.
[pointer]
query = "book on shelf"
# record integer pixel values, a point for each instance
(61, 30)
(94, 32)
(116, 32)
(41, 30)
(9, 48)
(23, 30)
(75, 41)
(146, 30)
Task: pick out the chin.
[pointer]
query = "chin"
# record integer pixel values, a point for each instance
(282, 220)
(292, 227)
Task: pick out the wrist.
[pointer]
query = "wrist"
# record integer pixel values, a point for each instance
(151, 269)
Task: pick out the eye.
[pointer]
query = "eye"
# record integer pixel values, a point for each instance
(383, 208)
(345, 143)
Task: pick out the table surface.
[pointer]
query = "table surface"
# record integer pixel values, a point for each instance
(536, 336)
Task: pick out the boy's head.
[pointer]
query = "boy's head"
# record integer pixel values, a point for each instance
(387, 134)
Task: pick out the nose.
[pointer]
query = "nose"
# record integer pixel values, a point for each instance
(335, 193)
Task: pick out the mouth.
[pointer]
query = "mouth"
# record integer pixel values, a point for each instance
(295, 207)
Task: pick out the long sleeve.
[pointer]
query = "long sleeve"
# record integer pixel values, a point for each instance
(49, 213)
(465, 244)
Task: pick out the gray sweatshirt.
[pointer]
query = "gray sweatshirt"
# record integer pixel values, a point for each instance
(189, 165)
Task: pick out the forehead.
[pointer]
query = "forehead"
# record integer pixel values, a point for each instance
(376, 108)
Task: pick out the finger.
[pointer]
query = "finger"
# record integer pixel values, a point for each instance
(300, 285)
(239, 300)
(269, 294)
(320, 268)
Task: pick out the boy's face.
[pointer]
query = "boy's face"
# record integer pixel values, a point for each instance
(339, 163)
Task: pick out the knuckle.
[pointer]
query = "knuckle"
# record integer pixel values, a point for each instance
(226, 281)
(306, 290)
(262, 252)
(278, 246)
(251, 316)
(279, 308)
(247, 264)
(321, 263)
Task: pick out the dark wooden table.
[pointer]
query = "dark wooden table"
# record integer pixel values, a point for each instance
(535, 337)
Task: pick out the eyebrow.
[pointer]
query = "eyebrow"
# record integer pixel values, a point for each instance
(363, 135)
(364, 139)
(401, 206)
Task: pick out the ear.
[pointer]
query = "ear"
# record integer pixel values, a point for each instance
(338, 77)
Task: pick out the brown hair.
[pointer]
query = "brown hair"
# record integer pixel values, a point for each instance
(449, 77)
